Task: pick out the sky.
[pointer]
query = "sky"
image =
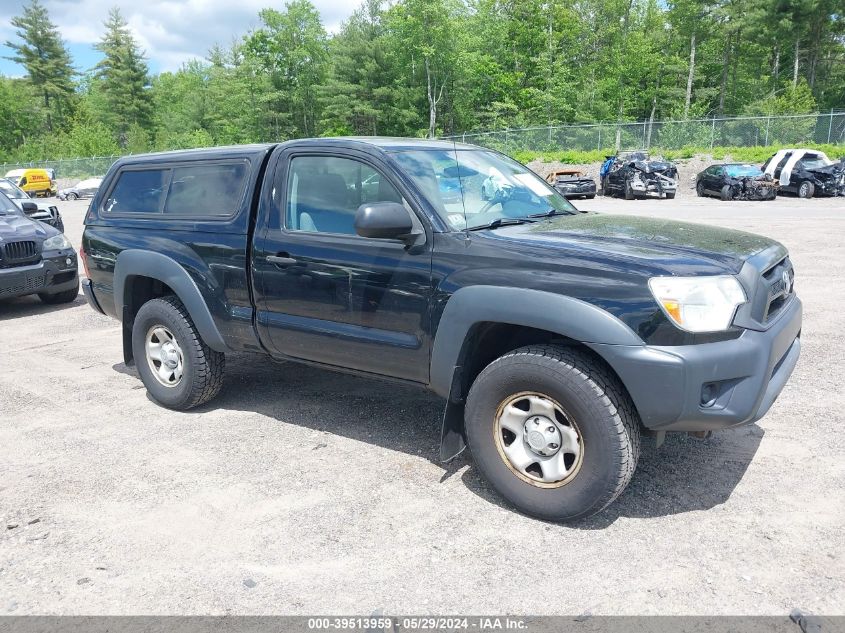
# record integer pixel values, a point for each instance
(170, 31)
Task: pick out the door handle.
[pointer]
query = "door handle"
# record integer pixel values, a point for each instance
(281, 259)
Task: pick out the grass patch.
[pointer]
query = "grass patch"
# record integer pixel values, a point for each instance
(740, 154)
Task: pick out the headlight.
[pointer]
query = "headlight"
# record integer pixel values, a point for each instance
(55, 243)
(698, 304)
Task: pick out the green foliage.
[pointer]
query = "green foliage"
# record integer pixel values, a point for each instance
(439, 67)
(122, 74)
(43, 54)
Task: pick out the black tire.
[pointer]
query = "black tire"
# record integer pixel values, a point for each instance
(726, 193)
(670, 195)
(590, 196)
(65, 296)
(600, 408)
(629, 193)
(202, 376)
(72, 196)
(806, 189)
(699, 189)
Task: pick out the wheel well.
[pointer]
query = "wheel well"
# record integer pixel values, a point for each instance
(488, 341)
(137, 291)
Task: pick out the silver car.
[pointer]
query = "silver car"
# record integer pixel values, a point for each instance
(83, 189)
(48, 214)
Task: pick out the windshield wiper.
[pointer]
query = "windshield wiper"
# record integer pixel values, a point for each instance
(548, 214)
(495, 224)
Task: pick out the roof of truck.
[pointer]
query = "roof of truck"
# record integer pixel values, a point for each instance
(381, 142)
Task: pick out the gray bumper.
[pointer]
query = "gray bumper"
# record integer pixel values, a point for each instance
(49, 276)
(744, 376)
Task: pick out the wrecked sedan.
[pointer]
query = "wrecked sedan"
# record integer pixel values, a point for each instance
(572, 183)
(736, 181)
(46, 213)
(807, 173)
(635, 175)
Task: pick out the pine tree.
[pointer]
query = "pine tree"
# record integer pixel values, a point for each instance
(46, 59)
(123, 77)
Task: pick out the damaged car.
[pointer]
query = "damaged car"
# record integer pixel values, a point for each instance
(635, 175)
(736, 181)
(46, 213)
(807, 173)
(572, 183)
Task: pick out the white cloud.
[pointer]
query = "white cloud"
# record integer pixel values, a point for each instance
(170, 31)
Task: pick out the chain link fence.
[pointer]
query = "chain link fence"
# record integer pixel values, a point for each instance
(760, 131)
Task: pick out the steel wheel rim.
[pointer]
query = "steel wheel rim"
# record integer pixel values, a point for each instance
(515, 434)
(164, 356)
(804, 190)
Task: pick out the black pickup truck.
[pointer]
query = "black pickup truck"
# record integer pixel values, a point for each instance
(555, 337)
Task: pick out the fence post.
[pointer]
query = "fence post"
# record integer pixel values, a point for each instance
(830, 126)
(599, 146)
(768, 121)
(713, 132)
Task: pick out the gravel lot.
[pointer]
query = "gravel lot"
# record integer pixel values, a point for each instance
(306, 492)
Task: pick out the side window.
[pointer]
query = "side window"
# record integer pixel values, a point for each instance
(204, 190)
(137, 192)
(324, 192)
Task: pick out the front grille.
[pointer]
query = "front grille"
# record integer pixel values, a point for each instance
(778, 287)
(19, 254)
(29, 283)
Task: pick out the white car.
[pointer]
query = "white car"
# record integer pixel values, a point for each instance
(48, 214)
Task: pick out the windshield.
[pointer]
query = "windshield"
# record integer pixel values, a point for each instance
(7, 207)
(474, 188)
(814, 162)
(738, 171)
(12, 190)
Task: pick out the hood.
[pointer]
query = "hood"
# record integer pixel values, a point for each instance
(18, 227)
(831, 170)
(652, 166)
(678, 247)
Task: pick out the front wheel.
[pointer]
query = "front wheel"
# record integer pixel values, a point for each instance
(176, 366)
(553, 431)
(629, 192)
(727, 193)
(72, 196)
(806, 189)
(59, 297)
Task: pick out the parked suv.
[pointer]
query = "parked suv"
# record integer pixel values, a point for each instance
(35, 258)
(555, 337)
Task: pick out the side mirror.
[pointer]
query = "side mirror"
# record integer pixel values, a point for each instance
(383, 220)
(29, 207)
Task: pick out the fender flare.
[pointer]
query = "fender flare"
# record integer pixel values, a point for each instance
(145, 263)
(567, 316)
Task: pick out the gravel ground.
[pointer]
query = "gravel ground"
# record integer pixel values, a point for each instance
(301, 491)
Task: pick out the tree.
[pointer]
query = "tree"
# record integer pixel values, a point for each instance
(46, 59)
(123, 77)
(291, 49)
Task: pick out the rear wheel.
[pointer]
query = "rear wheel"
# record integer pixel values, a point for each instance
(670, 195)
(629, 192)
(552, 431)
(699, 189)
(176, 366)
(806, 189)
(72, 196)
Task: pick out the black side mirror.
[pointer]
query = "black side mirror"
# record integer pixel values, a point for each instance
(383, 220)
(29, 207)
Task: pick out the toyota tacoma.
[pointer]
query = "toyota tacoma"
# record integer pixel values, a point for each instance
(556, 338)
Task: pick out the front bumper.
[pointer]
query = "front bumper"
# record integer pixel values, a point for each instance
(50, 275)
(710, 386)
(573, 191)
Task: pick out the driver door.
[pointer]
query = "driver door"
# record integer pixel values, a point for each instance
(328, 295)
